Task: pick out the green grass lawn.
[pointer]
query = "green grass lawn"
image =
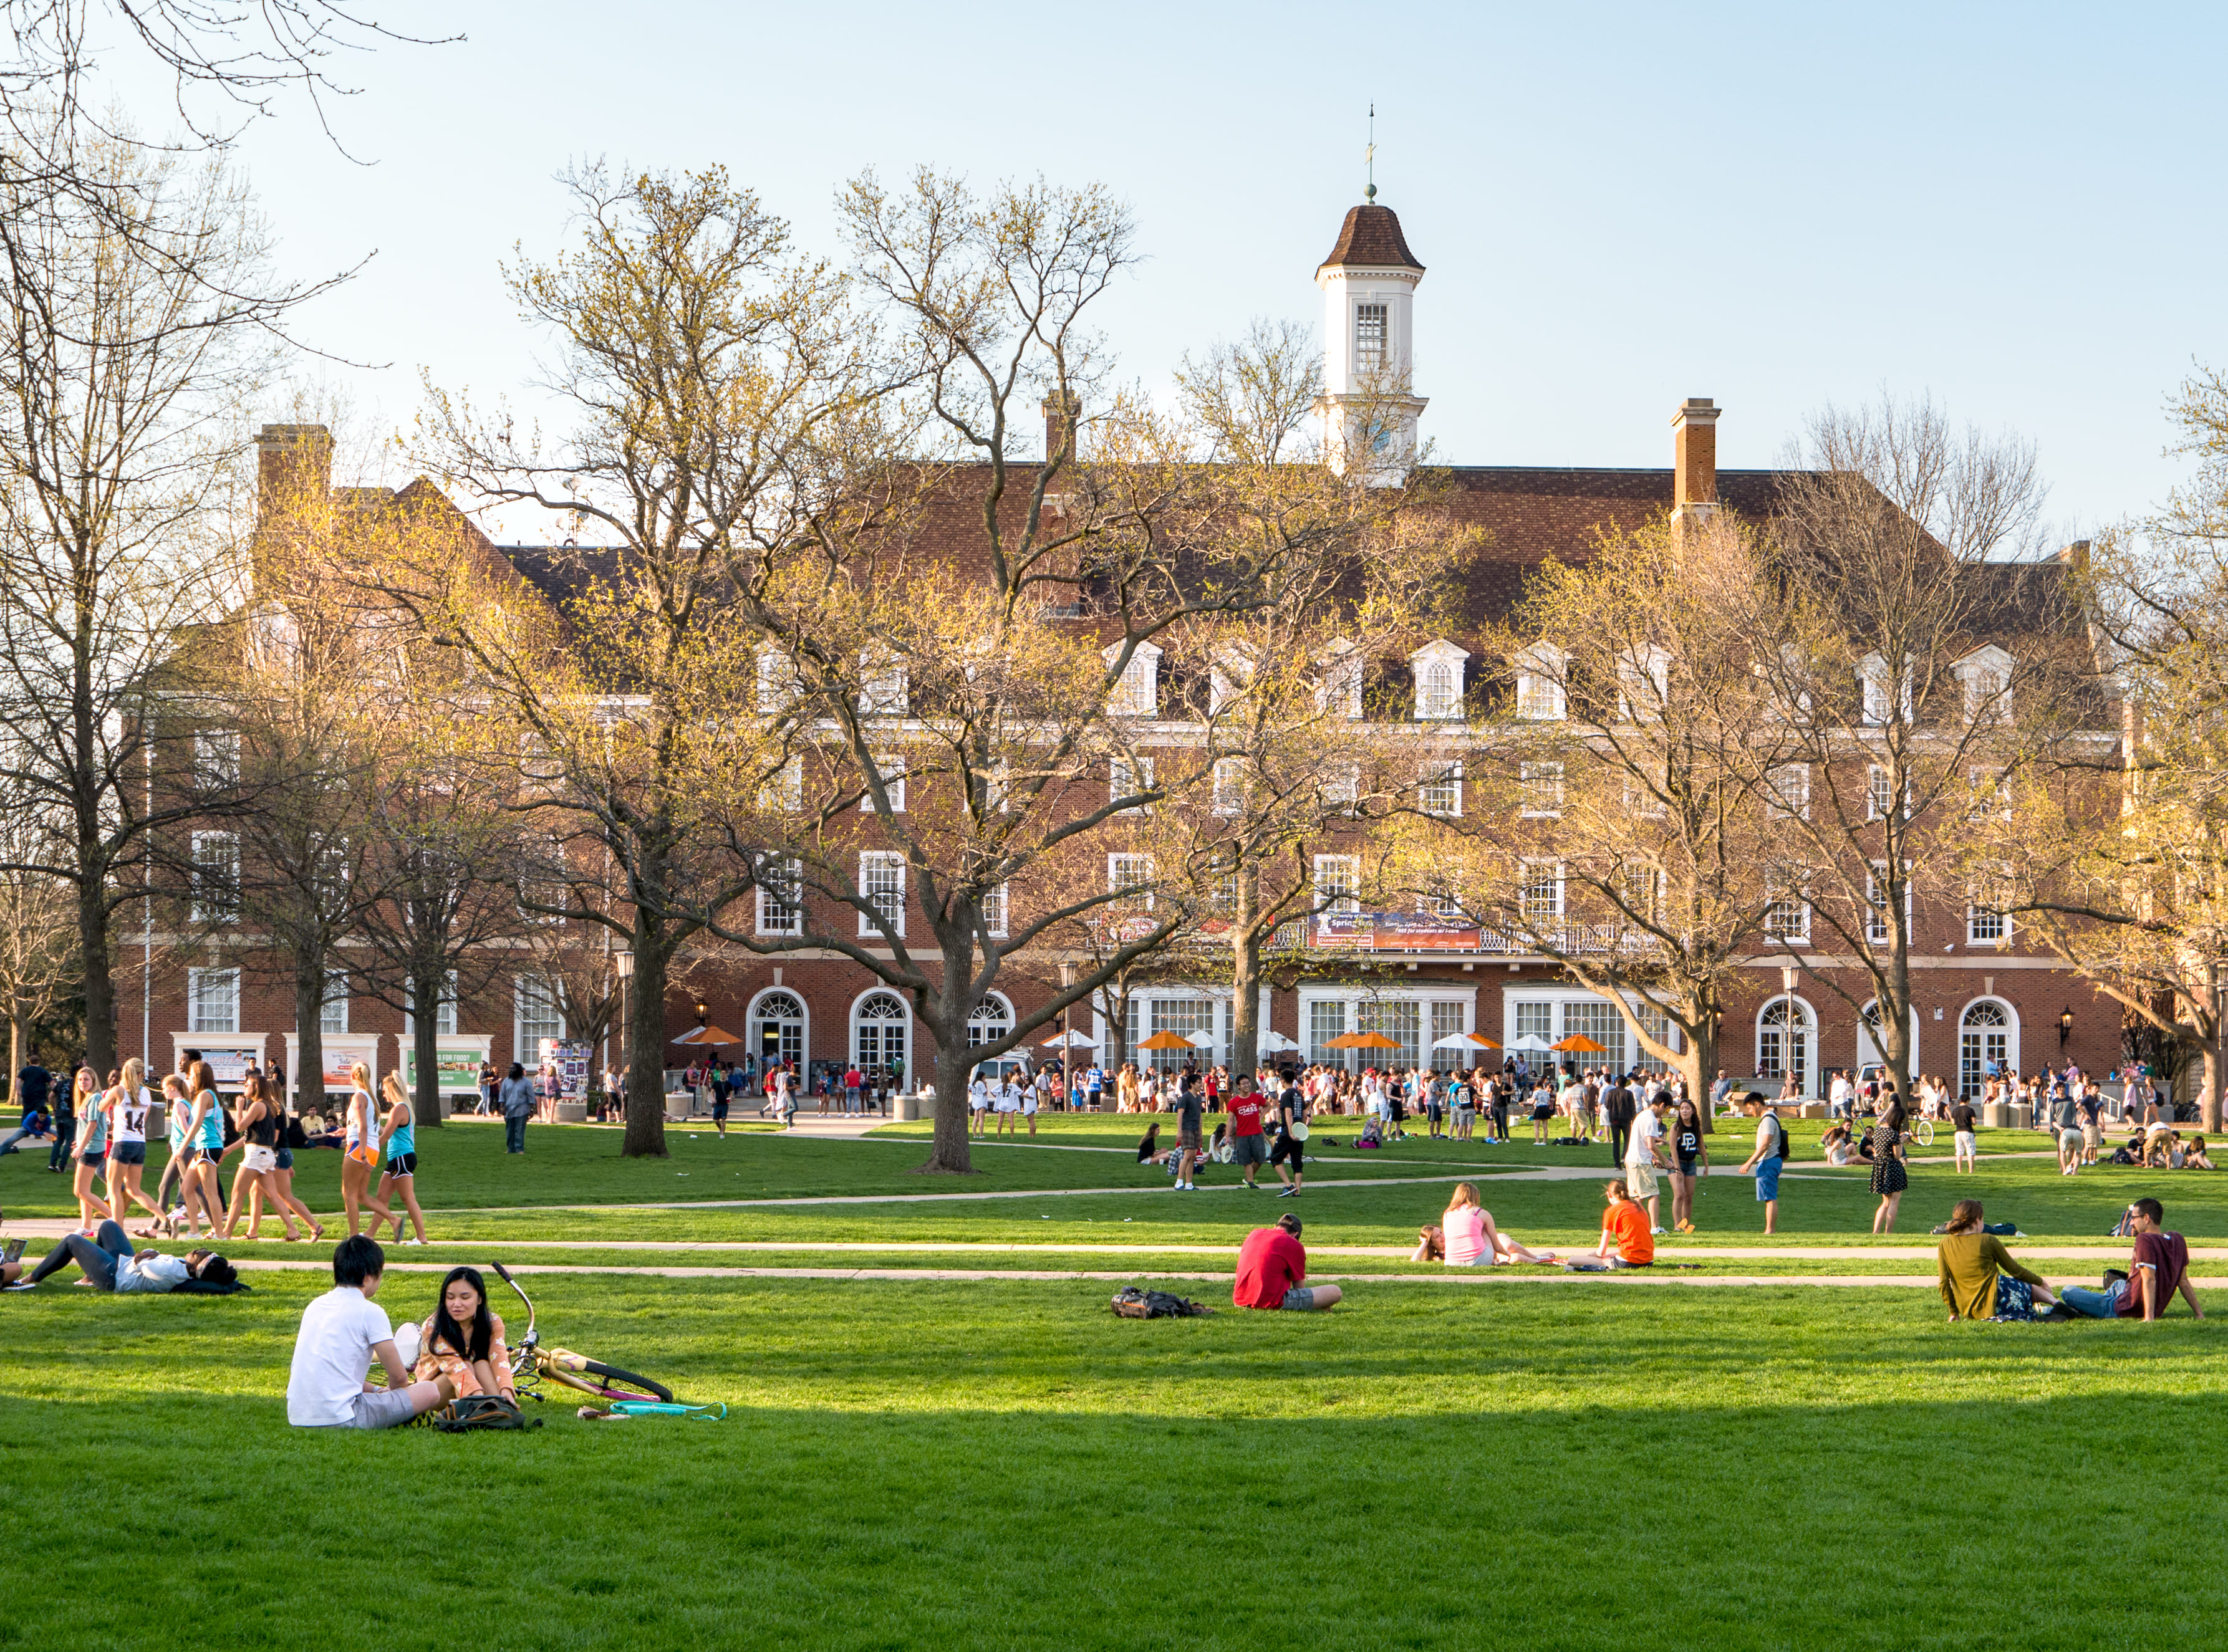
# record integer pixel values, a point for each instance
(1006, 1466)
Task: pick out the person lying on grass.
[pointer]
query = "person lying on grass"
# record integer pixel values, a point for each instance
(341, 1333)
(109, 1263)
(1271, 1267)
(1624, 1232)
(1977, 1276)
(1466, 1237)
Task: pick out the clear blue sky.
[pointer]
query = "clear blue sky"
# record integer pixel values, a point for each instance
(2018, 209)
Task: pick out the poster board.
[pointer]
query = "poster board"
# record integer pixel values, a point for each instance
(457, 1059)
(572, 1062)
(227, 1053)
(340, 1048)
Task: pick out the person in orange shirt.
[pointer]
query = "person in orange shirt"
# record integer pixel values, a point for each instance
(1624, 1232)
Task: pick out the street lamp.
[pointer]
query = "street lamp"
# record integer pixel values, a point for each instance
(700, 1012)
(622, 967)
(2065, 1027)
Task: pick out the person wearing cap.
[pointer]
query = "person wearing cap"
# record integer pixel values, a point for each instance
(1272, 1268)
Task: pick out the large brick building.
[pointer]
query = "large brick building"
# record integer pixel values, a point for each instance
(1982, 994)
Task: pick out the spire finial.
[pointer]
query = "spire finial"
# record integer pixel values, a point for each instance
(1369, 155)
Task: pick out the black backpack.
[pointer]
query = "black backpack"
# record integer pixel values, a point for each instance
(478, 1410)
(1131, 1302)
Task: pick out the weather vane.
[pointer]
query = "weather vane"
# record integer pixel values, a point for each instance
(1369, 155)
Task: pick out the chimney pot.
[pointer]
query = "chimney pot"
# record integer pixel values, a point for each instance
(1060, 424)
(1695, 458)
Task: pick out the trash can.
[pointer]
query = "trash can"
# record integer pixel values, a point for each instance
(571, 1112)
(1996, 1115)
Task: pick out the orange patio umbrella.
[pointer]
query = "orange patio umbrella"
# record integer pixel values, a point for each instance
(1168, 1041)
(1363, 1041)
(709, 1036)
(1579, 1041)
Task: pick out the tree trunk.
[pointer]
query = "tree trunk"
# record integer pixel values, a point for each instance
(18, 1030)
(424, 1027)
(308, 1030)
(100, 979)
(1697, 1065)
(948, 1153)
(1117, 1002)
(645, 1046)
(2208, 1103)
(1244, 997)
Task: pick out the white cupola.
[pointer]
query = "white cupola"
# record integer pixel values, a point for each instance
(1369, 406)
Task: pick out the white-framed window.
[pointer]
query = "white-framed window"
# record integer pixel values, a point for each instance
(882, 882)
(542, 880)
(1540, 891)
(1988, 792)
(780, 897)
(1133, 875)
(1787, 791)
(216, 758)
(1338, 879)
(783, 791)
(540, 769)
(1438, 670)
(778, 686)
(1643, 889)
(1231, 676)
(212, 1000)
(993, 910)
(1644, 684)
(1370, 323)
(1441, 791)
(1223, 893)
(215, 886)
(1876, 908)
(1445, 903)
(1985, 675)
(1126, 777)
(445, 1023)
(1341, 785)
(1879, 693)
(890, 766)
(332, 1008)
(1985, 922)
(1540, 787)
(992, 1020)
(535, 1014)
(1229, 785)
(1786, 914)
(1644, 795)
(1138, 691)
(1879, 791)
(1339, 691)
(884, 687)
(1540, 697)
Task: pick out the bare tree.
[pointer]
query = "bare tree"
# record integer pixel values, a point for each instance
(38, 938)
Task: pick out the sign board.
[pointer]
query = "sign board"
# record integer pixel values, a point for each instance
(572, 1062)
(1393, 932)
(227, 1053)
(341, 1050)
(457, 1059)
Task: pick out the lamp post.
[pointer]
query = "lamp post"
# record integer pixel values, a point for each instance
(2065, 1027)
(622, 967)
(1788, 974)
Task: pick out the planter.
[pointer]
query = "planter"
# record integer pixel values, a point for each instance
(1996, 1115)
(571, 1112)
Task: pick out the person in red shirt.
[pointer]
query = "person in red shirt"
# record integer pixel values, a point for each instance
(1272, 1263)
(1249, 1144)
(1624, 1231)
(2159, 1267)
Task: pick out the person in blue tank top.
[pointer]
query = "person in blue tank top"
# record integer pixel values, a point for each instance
(399, 1137)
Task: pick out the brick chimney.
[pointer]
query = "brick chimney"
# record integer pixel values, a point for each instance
(293, 469)
(1061, 423)
(1694, 460)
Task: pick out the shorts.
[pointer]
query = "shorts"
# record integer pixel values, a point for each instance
(402, 1165)
(1301, 1298)
(2092, 1134)
(1290, 1150)
(719, 1108)
(206, 1155)
(129, 1152)
(261, 1158)
(1249, 1150)
(1640, 1181)
(380, 1408)
(1687, 1168)
(1542, 1113)
(1767, 1179)
(283, 1159)
(1007, 1106)
(364, 1155)
(1188, 1136)
(1967, 1142)
(2068, 1139)
(95, 1158)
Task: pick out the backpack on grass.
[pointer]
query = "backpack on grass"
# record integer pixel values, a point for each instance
(478, 1410)
(1131, 1302)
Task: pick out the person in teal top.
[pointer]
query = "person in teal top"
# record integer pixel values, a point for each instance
(399, 1137)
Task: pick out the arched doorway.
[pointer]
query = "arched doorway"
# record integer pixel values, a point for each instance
(1870, 1051)
(992, 1020)
(1786, 1043)
(1988, 1045)
(778, 1026)
(880, 1026)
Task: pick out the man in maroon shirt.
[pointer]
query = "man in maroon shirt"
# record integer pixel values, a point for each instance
(2158, 1268)
(1271, 1265)
(1249, 1145)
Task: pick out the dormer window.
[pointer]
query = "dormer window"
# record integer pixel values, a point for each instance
(1369, 329)
(1232, 676)
(1986, 676)
(1137, 692)
(1880, 692)
(1439, 668)
(1540, 696)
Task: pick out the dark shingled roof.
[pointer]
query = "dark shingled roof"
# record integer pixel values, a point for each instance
(1371, 236)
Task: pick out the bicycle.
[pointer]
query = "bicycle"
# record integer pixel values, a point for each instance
(1922, 1131)
(531, 1365)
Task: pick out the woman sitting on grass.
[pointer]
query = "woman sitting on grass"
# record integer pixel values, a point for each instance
(1977, 1276)
(461, 1340)
(1839, 1147)
(1150, 1151)
(2194, 1158)
(1467, 1237)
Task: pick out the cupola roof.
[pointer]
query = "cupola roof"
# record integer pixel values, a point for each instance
(1371, 236)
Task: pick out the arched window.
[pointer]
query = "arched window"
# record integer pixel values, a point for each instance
(777, 1028)
(1987, 1045)
(993, 1019)
(1436, 696)
(1782, 1043)
(878, 1035)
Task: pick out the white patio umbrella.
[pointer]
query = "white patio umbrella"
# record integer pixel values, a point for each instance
(1531, 1041)
(1276, 1041)
(1465, 1040)
(1070, 1041)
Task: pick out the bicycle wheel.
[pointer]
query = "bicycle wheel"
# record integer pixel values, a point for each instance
(626, 1385)
(1924, 1132)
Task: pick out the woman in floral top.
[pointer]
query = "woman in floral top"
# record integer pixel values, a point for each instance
(463, 1341)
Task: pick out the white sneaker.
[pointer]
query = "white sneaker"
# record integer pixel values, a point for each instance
(1655, 1230)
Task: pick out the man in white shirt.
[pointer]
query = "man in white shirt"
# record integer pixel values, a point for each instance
(1840, 1094)
(341, 1333)
(1643, 1156)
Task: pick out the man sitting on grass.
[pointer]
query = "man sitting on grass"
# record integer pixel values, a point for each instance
(2160, 1267)
(1272, 1263)
(1624, 1230)
(341, 1333)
